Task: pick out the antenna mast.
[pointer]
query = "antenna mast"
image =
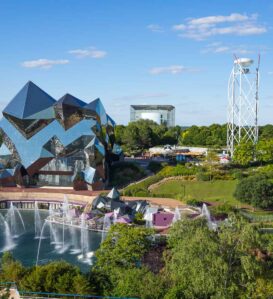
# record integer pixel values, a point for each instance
(243, 99)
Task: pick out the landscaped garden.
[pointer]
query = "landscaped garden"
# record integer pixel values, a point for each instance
(212, 191)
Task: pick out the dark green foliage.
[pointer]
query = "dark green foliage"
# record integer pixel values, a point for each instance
(143, 134)
(194, 202)
(244, 153)
(11, 270)
(238, 175)
(123, 247)
(137, 283)
(256, 190)
(224, 264)
(222, 210)
(56, 277)
(266, 132)
(59, 277)
(139, 219)
(213, 136)
(155, 166)
(124, 173)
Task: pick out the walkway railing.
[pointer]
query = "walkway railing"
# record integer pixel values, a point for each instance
(45, 295)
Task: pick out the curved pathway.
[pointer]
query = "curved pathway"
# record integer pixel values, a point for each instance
(83, 197)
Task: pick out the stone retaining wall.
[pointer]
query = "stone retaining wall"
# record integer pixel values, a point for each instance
(14, 196)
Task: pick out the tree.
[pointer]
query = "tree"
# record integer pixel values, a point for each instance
(56, 277)
(240, 242)
(137, 282)
(266, 132)
(226, 263)
(11, 270)
(123, 247)
(244, 153)
(119, 132)
(211, 159)
(122, 251)
(212, 136)
(265, 150)
(194, 266)
(256, 190)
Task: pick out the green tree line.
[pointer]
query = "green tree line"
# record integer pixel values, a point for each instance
(143, 134)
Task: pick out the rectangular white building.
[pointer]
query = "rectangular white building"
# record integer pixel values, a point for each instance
(161, 114)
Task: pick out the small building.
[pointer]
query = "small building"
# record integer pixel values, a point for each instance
(162, 219)
(161, 114)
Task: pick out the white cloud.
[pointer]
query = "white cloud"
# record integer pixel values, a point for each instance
(233, 24)
(155, 28)
(234, 17)
(43, 63)
(172, 69)
(220, 48)
(91, 52)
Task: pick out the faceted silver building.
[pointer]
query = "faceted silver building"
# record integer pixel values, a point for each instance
(161, 114)
(62, 143)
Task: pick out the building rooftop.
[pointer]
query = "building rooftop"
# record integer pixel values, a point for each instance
(153, 107)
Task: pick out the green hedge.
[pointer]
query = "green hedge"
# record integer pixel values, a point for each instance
(141, 189)
(178, 170)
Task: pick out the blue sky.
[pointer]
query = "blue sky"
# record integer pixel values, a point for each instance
(137, 52)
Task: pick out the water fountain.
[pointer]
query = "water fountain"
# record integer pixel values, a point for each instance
(55, 237)
(12, 218)
(177, 215)
(75, 248)
(148, 217)
(206, 213)
(37, 221)
(115, 215)
(65, 218)
(106, 226)
(85, 255)
(40, 241)
(8, 241)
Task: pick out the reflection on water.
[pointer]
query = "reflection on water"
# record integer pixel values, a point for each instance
(26, 245)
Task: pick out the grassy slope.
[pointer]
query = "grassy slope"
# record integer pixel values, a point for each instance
(221, 191)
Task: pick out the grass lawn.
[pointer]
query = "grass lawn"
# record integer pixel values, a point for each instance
(214, 191)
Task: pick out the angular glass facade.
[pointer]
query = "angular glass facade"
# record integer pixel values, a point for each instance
(51, 142)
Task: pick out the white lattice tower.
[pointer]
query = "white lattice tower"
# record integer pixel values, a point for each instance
(242, 119)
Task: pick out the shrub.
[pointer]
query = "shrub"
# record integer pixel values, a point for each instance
(238, 175)
(139, 219)
(222, 210)
(204, 176)
(155, 166)
(256, 190)
(194, 202)
(178, 170)
(124, 173)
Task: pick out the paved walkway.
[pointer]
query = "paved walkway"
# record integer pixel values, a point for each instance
(13, 193)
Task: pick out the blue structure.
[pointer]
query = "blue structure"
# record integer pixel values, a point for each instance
(51, 142)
